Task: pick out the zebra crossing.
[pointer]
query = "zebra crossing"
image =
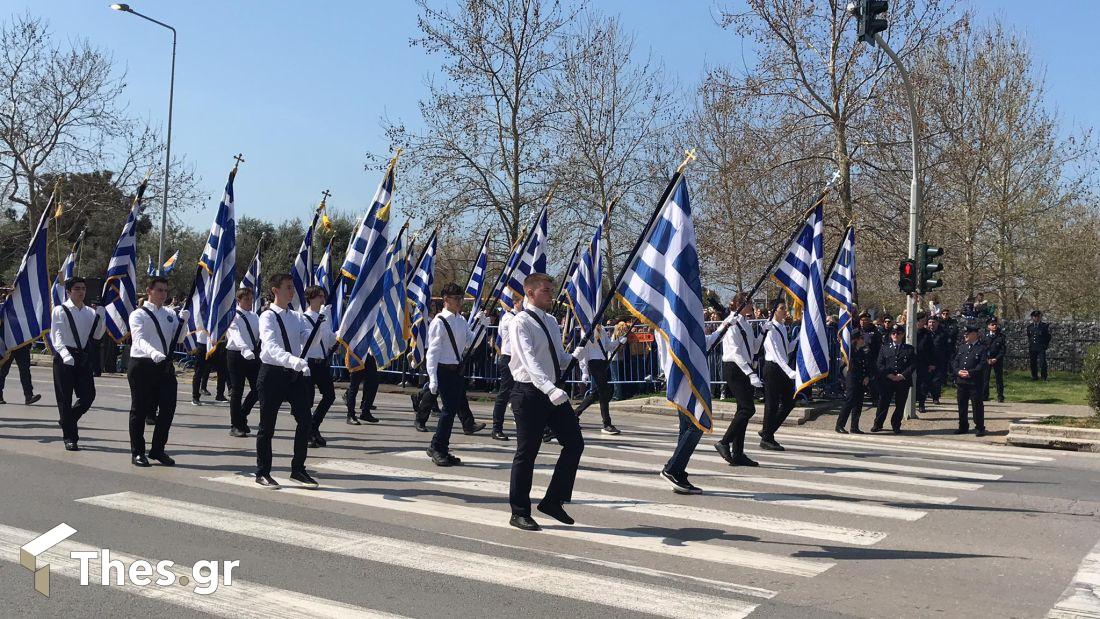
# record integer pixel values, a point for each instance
(636, 547)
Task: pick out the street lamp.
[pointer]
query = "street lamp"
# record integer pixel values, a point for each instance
(125, 8)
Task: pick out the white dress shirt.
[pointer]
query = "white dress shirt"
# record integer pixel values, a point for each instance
(325, 338)
(778, 347)
(440, 350)
(61, 336)
(739, 344)
(245, 327)
(273, 350)
(504, 328)
(531, 359)
(145, 341)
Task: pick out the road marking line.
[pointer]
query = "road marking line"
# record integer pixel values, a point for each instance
(566, 583)
(1082, 598)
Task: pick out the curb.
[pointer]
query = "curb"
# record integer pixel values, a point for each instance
(1053, 437)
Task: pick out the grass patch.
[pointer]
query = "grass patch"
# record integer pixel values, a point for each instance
(1061, 388)
(1072, 422)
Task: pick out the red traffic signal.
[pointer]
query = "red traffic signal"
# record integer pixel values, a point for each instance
(907, 276)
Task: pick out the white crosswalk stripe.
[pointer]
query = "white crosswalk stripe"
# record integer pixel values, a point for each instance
(608, 591)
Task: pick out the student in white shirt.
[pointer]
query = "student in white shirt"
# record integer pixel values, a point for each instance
(242, 345)
(506, 382)
(75, 325)
(595, 365)
(779, 377)
(320, 342)
(739, 346)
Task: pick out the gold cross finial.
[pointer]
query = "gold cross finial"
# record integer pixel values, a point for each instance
(239, 157)
(324, 195)
(689, 156)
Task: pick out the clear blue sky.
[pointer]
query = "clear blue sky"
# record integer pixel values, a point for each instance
(299, 87)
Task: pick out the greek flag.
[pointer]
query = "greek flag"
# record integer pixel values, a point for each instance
(324, 269)
(120, 289)
(420, 297)
(799, 273)
(65, 274)
(198, 307)
(253, 279)
(219, 261)
(151, 269)
(357, 322)
(531, 259)
(582, 288)
(477, 275)
(302, 271)
(840, 288)
(170, 263)
(27, 309)
(660, 287)
(391, 324)
(364, 240)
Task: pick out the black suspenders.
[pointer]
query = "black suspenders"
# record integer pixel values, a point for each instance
(549, 343)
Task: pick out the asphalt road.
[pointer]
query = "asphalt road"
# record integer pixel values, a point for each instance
(836, 526)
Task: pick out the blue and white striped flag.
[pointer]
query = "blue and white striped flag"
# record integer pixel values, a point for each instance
(66, 273)
(27, 310)
(477, 276)
(302, 271)
(364, 240)
(151, 269)
(841, 289)
(198, 307)
(661, 287)
(391, 325)
(532, 259)
(357, 323)
(420, 298)
(120, 289)
(324, 270)
(582, 288)
(253, 277)
(219, 261)
(800, 274)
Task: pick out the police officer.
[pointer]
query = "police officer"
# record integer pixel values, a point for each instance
(594, 364)
(1038, 340)
(779, 377)
(969, 366)
(242, 345)
(895, 365)
(995, 348)
(739, 347)
(318, 347)
(75, 326)
(504, 393)
(872, 339)
(941, 343)
(154, 332)
(537, 401)
(926, 360)
(284, 377)
(857, 378)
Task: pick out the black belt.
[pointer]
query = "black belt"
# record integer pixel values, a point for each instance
(450, 367)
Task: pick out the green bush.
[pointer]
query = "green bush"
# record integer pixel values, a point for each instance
(1090, 373)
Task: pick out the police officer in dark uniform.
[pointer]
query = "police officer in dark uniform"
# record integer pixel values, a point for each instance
(896, 362)
(943, 345)
(969, 366)
(873, 341)
(857, 378)
(995, 346)
(926, 360)
(1038, 340)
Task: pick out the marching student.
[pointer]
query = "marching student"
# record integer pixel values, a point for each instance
(895, 365)
(284, 377)
(242, 359)
(448, 336)
(203, 365)
(154, 333)
(739, 346)
(320, 342)
(22, 358)
(970, 365)
(595, 365)
(75, 326)
(367, 380)
(779, 377)
(537, 402)
(506, 381)
(857, 378)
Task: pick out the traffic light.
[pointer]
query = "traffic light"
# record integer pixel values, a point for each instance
(926, 254)
(868, 24)
(907, 277)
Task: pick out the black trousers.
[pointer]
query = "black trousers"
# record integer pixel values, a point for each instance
(924, 383)
(739, 386)
(321, 375)
(601, 374)
(22, 359)
(429, 401)
(1038, 359)
(891, 391)
(939, 379)
(503, 394)
(67, 381)
(152, 388)
(203, 367)
(452, 398)
(853, 403)
(277, 385)
(778, 398)
(241, 370)
(995, 372)
(969, 395)
(534, 413)
(367, 379)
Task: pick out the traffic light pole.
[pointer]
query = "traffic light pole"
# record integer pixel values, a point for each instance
(914, 212)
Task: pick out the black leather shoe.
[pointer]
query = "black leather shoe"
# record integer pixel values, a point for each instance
(71, 446)
(454, 460)
(555, 511)
(266, 481)
(312, 443)
(352, 421)
(373, 407)
(420, 427)
(896, 430)
(151, 421)
(500, 436)
(140, 460)
(34, 398)
(771, 445)
(204, 391)
(724, 451)
(841, 430)
(524, 522)
(195, 402)
(369, 418)
(2, 401)
(438, 459)
(303, 478)
(237, 432)
(743, 460)
(857, 431)
(961, 431)
(320, 439)
(876, 428)
(221, 398)
(980, 432)
(474, 429)
(610, 429)
(163, 458)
